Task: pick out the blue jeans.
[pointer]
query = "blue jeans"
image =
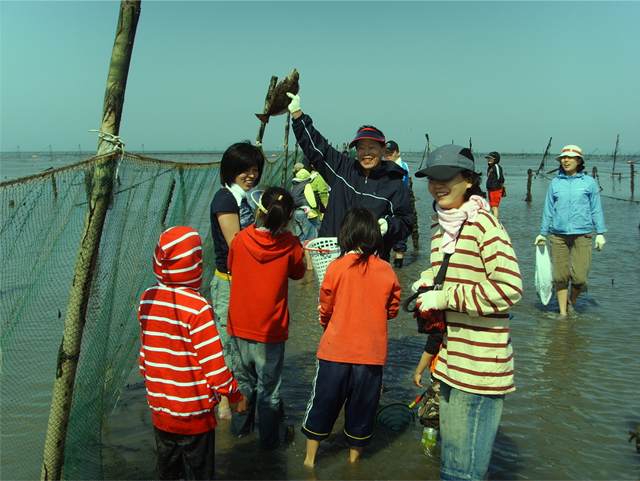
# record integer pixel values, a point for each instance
(468, 426)
(258, 370)
(220, 292)
(303, 227)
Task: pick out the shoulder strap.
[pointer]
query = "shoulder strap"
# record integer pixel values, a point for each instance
(442, 272)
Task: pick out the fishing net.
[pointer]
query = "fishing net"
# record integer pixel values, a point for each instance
(42, 219)
(395, 416)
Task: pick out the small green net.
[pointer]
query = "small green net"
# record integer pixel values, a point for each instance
(41, 227)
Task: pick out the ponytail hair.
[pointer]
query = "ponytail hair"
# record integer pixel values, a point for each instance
(360, 231)
(276, 207)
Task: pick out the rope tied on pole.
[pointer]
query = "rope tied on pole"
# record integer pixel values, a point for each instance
(114, 140)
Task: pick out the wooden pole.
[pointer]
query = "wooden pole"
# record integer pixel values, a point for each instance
(632, 179)
(286, 151)
(615, 152)
(544, 156)
(528, 197)
(101, 191)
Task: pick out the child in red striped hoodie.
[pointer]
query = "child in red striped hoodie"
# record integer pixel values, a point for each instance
(181, 359)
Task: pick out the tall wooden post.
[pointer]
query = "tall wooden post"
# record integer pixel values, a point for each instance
(101, 192)
(285, 164)
(529, 177)
(544, 156)
(615, 152)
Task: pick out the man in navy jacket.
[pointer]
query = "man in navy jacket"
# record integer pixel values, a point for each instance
(369, 181)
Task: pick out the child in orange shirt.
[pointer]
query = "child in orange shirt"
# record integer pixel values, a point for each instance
(359, 293)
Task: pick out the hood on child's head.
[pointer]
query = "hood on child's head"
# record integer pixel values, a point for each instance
(177, 259)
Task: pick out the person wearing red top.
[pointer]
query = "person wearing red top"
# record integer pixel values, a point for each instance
(359, 293)
(261, 261)
(181, 359)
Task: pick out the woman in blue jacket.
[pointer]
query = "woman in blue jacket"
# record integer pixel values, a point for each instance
(572, 210)
(370, 181)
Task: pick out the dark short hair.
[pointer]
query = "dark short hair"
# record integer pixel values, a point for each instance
(239, 158)
(279, 205)
(475, 189)
(359, 229)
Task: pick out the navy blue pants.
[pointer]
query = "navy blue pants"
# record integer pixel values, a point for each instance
(357, 387)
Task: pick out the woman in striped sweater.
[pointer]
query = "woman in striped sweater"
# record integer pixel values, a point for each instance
(482, 282)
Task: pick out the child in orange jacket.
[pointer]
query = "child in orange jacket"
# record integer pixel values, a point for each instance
(359, 293)
(261, 262)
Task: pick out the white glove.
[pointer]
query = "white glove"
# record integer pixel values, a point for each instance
(600, 242)
(431, 300)
(540, 241)
(294, 105)
(421, 282)
(384, 226)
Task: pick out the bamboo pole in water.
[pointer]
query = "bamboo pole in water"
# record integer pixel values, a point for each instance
(101, 192)
(544, 156)
(615, 152)
(528, 197)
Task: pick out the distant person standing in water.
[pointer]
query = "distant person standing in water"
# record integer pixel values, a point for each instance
(495, 181)
(368, 181)
(393, 155)
(572, 210)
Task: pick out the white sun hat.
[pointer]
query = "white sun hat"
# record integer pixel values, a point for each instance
(571, 151)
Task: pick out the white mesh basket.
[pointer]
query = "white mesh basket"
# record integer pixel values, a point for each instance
(322, 251)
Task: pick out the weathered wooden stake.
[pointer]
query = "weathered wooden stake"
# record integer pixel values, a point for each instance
(102, 186)
(528, 197)
(544, 156)
(615, 152)
(632, 179)
(286, 151)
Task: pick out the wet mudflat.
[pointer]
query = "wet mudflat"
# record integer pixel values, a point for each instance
(577, 378)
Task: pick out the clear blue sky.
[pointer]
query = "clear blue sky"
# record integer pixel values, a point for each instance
(509, 75)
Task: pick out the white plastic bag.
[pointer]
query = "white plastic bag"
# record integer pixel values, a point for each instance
(544, 274)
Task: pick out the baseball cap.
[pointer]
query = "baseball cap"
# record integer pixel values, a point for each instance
(446, 162)
(494, 155)
(571, 151)
(367, 133)
(392, 146)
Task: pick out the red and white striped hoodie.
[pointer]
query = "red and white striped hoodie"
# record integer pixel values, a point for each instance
(180, 353)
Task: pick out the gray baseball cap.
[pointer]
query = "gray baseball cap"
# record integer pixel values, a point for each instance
(446, 162)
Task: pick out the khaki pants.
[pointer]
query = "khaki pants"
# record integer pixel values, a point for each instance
(571, 255)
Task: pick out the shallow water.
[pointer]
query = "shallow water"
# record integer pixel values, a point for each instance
(577, 378)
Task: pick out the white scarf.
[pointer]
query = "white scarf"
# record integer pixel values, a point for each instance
(238, 192)
(451, 220)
